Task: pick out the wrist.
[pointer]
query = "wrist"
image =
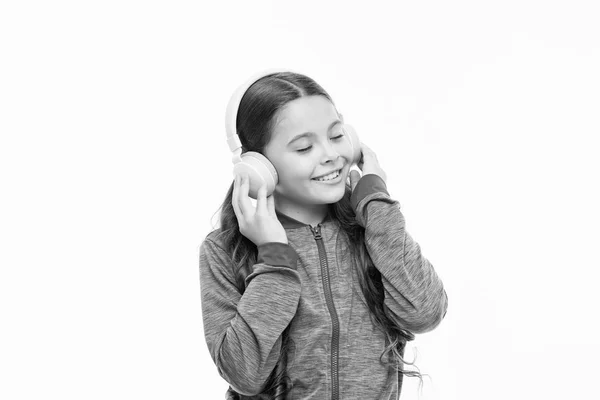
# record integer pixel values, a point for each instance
(368, 184)
(272, 240)
(381, 176)
(277, 254)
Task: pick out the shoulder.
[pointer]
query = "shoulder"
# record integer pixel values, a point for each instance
(216, 236)
(214, 243)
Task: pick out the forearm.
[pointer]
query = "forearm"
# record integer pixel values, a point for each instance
(243, 332)
(251, 344)
(413, 291)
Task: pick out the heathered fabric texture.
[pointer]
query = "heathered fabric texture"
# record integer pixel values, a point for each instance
(286, 287)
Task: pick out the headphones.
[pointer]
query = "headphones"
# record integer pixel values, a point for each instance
(258, 168)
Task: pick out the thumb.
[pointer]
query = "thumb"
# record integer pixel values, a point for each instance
(354, 177)
(271, 205)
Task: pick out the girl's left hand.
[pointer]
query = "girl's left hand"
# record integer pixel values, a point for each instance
(368, 165)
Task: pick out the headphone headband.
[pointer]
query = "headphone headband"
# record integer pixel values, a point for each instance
(233, 141)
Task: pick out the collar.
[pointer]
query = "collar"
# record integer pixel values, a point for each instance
(291, 223)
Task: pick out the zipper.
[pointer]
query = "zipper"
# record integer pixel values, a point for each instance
(335, 337)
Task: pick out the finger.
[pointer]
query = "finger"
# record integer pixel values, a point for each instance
(354, 178)
(261, 200)
(234, 197)
(361, 162)
(366, 150)
(369, 152)
(243, 198)
(271, 205)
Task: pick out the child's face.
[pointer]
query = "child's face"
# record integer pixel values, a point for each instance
(324, 150)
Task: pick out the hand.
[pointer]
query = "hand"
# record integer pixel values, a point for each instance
(368, 165)
(259, 224)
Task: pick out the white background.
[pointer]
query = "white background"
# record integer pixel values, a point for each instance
(485, 116)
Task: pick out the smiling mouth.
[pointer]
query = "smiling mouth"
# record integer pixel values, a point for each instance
(329, 177)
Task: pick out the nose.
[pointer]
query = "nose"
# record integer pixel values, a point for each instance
(330, 154)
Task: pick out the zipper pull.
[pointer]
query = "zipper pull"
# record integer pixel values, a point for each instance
(316, 231)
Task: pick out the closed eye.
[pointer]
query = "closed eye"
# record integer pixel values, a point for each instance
(306, 149)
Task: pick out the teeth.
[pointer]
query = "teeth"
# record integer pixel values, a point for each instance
(329, 177)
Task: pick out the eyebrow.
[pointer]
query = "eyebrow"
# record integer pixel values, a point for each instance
(308, 134)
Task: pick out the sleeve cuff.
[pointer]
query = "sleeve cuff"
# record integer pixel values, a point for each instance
(367, 185)
(277, 254)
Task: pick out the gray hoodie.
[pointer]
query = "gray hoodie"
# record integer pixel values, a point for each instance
(311, 285)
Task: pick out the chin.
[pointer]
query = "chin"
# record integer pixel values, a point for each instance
(333, 197)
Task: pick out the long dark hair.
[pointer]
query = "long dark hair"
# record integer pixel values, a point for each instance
(255, 121)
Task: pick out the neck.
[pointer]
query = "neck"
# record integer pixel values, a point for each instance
(307, 214)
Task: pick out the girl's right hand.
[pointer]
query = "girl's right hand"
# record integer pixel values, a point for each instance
(259, 224)
(368, 165)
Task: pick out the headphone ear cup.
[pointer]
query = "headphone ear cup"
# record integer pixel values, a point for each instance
(259, 169)
(355, 142)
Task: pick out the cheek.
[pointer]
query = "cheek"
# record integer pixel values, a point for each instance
(293, 168)
(344, 148)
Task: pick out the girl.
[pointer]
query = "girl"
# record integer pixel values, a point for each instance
(313, 292)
